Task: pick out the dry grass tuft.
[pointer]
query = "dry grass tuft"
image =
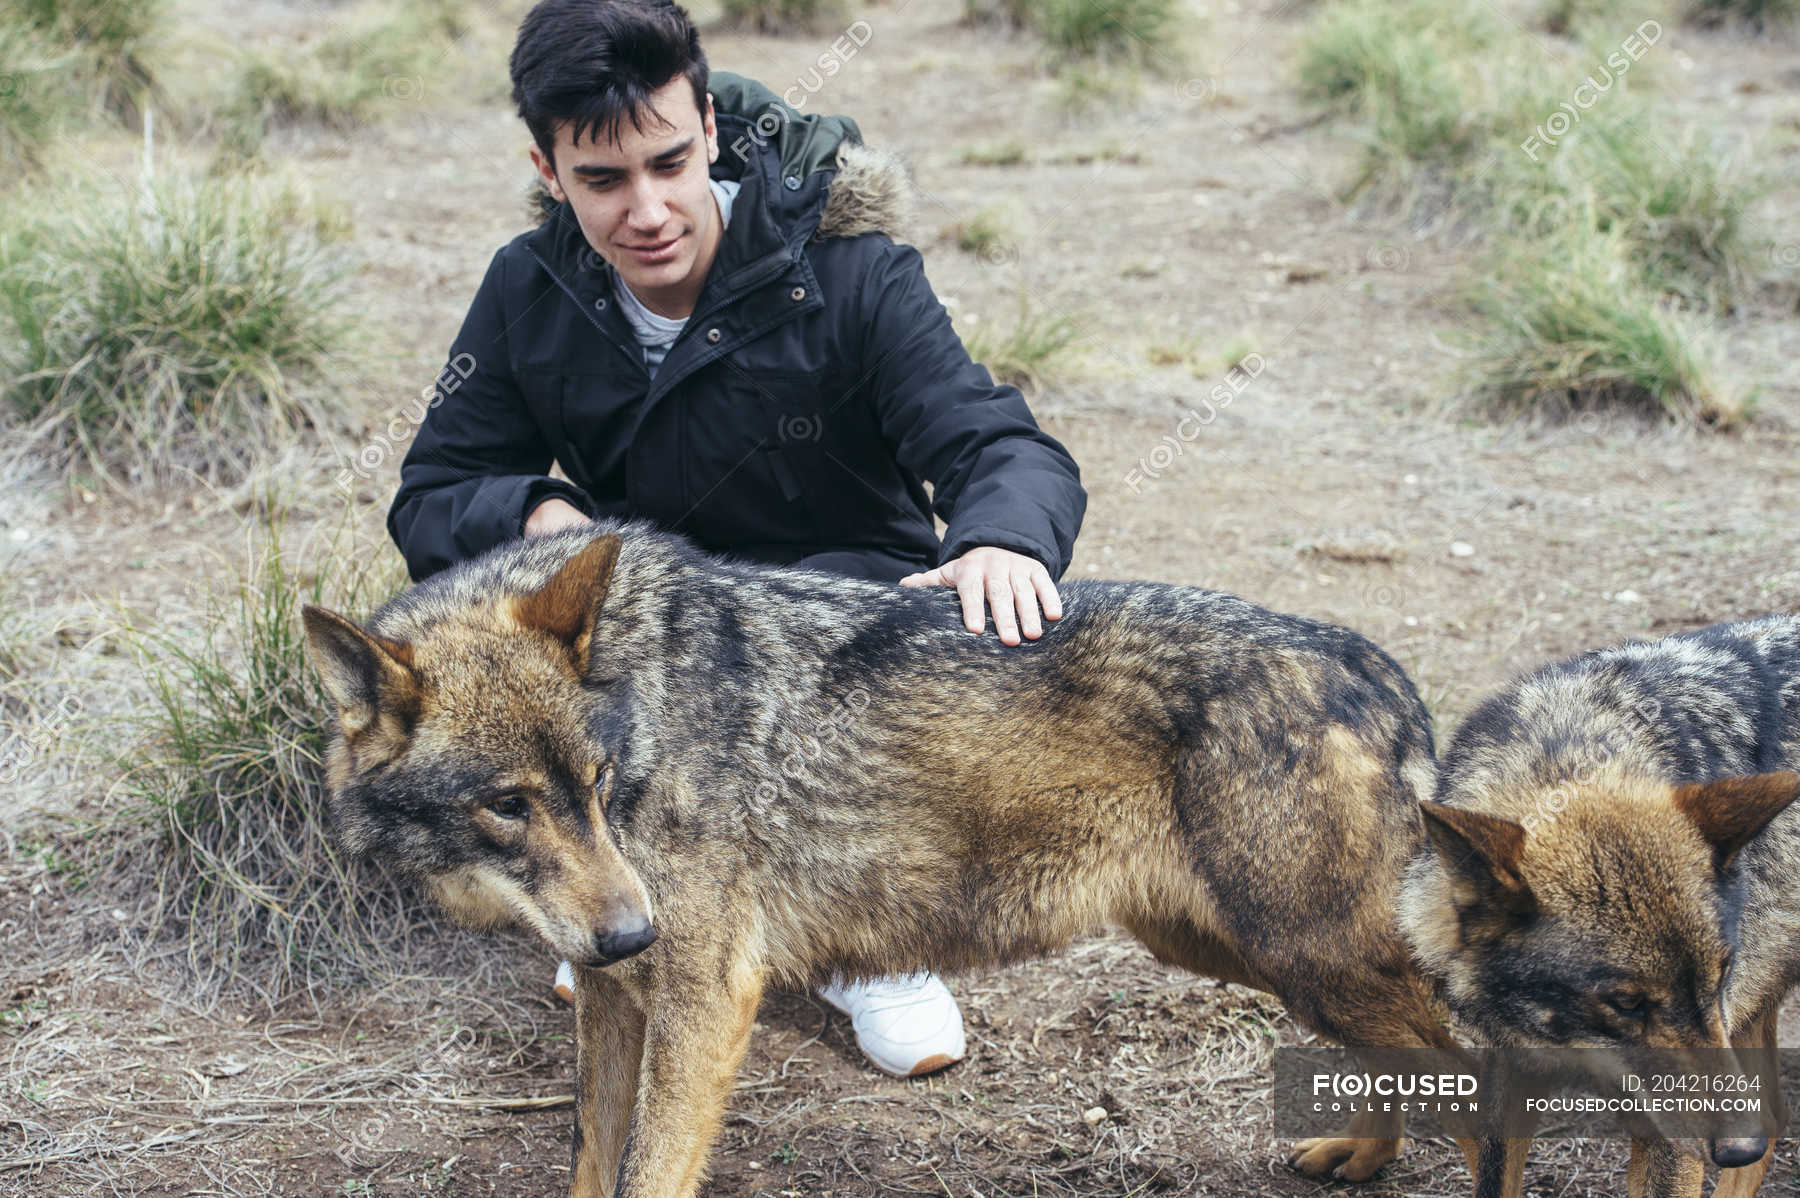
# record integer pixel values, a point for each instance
(226, 839)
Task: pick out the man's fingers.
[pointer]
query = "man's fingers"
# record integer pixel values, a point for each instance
(1026, 599)
(974, 602)
(1000, 598)
(1046, 592)
(929, 578)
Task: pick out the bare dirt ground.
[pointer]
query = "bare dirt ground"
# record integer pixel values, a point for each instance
(1195, 221)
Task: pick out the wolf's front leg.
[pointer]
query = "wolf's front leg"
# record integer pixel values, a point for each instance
(609, 1052)
(698, 1026)
(1659, 1169)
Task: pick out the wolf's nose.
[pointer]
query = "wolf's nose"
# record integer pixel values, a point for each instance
(1735, 1154)
(619, 943)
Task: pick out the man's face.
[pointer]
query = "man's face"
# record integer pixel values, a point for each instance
(642, 198)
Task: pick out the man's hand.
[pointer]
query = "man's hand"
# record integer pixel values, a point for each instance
(1010, 583)
(553, 515)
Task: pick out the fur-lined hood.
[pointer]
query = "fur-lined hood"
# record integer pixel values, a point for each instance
(871, 192)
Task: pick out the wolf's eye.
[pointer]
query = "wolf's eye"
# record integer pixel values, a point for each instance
(510, 807)
(1628, 1004)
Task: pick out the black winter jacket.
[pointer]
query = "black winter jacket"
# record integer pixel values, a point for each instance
(816, 384)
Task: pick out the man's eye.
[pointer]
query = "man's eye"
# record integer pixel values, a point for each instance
(600, 184)
(511, 807)
(674, 168)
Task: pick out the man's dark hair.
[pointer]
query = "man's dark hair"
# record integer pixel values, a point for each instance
(597, 62)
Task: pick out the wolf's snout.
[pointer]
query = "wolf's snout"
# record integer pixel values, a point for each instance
(1736, 1153)
(627, 940)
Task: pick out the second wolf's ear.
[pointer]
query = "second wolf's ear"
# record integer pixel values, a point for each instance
(1481, 854)
(364, 674)
(565, 606)
(1731, 811)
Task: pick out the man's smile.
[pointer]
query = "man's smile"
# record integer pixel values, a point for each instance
(656, 251)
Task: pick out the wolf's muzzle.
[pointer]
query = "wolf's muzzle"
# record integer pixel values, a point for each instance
(616, 944)
(1736, 1153)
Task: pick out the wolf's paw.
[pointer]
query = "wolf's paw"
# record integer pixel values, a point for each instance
(1342, 1158)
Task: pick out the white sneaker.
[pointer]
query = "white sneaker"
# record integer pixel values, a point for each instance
(565, 982)
(908, 1026)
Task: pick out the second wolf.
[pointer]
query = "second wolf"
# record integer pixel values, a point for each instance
(1617, 875)
(698, 779)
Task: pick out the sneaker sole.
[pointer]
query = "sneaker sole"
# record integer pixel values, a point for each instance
(931, 1064)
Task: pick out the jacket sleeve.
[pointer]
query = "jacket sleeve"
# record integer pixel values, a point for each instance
(997, 479)
(477, 466)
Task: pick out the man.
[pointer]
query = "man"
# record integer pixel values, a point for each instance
(712, 330)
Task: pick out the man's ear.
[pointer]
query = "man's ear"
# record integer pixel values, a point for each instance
(547, 172)
(364, 675)
(1481, 854)
(566, 606)
(1731, 811)
(711, 128)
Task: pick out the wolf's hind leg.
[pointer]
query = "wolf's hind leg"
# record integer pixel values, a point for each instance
(696, 1031)
(609, 1050)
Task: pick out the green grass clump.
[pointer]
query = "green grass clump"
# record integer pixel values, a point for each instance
(229, 783)
(168, 328)
(782, 16)
(1029, 351)
(1136, 30)
(373, 62)
(990, 234)
(1143, 32)
(1679, 204)
(1415, 74)
(1011, 153)
(104, 41)
(1571, 327)
(38, 97)
(1753, 14)
(1567, 18)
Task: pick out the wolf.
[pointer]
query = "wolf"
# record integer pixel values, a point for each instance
(698, 778)
(1615, 875)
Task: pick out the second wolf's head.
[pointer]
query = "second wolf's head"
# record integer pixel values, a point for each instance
(465, 758)
(1604, 934)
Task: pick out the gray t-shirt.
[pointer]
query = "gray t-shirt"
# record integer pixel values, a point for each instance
(657, 333)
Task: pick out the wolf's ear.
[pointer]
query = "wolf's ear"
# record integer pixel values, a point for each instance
(565, 606)
(1481, 853)
(363, 673)
(1731, 811)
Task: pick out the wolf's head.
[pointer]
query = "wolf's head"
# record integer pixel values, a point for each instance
(1605, 933)
(464, 758)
